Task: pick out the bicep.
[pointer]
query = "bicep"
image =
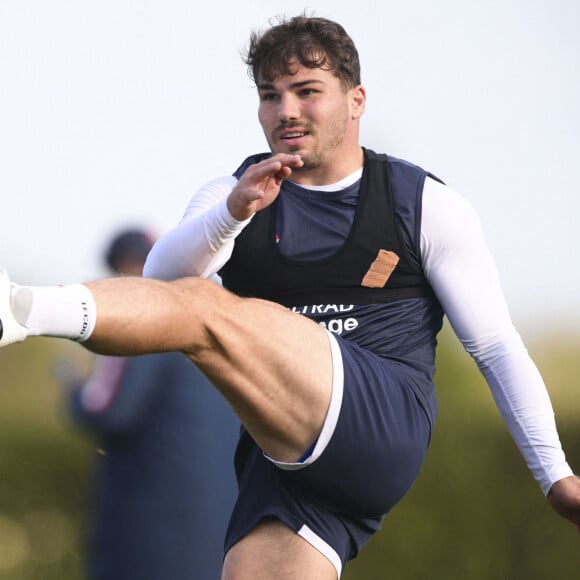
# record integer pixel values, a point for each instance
(459, 265)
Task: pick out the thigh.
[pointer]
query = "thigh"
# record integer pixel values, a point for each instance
(272, 365)
(337, 498)
(272, 550)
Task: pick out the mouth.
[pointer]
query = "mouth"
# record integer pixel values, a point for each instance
(293, 137)
(287, 135)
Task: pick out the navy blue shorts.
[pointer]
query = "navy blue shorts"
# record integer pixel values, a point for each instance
(370, 452)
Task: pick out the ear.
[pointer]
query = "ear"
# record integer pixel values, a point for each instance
(358, 99)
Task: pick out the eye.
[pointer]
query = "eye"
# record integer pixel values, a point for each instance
(268, 97)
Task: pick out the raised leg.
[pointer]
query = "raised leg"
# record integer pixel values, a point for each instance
(272, 365)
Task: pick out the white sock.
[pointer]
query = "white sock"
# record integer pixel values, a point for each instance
(62, 311)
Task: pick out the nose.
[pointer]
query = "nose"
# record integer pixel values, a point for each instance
(288, 108)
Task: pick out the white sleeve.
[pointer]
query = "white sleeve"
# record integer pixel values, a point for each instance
(203, 240)
(459, 267)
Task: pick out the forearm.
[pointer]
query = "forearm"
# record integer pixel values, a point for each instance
(202, 242)
(521, 397)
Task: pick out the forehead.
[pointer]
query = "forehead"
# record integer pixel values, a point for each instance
(300, 75)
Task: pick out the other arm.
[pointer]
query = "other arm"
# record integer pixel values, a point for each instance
(462, 272)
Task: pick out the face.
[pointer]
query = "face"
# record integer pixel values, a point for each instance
(311, 114)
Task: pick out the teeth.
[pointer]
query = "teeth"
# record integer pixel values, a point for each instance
(293, 135)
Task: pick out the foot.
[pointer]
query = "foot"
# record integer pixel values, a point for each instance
(10, 330)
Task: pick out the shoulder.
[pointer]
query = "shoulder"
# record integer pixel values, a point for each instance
(393, 162)
(443, 200)
(447, 216)
(401, 168)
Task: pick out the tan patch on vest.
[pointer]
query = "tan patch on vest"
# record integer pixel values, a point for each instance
(381, 269)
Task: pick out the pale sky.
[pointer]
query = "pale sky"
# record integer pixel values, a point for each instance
(113, 113)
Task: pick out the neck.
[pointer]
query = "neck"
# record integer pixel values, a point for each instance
(333, 171)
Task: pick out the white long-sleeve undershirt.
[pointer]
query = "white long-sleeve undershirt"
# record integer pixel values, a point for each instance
(203, 240)
(461, 271)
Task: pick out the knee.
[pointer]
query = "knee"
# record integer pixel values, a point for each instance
(202, 290)
(204, 303)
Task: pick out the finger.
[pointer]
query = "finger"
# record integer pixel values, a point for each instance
(251, 195)
(282, 174)
(281, 162)
(257, 173)
(288, 159)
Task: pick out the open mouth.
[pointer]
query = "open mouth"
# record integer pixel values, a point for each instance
(294, 135)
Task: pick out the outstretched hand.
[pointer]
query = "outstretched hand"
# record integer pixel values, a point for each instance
(564, 497)
(260, 185)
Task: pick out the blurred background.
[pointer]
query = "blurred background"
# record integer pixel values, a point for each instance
(114, 112)
(475, 512)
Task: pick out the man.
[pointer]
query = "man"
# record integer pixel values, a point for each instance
(164, 484)
(341, 263)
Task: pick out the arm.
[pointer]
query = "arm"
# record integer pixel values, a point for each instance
(461, 270)
(204, 239)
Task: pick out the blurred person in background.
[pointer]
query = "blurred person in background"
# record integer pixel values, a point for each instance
(164, 483)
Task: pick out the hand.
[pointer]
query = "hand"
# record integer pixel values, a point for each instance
(260, 185)
(564, 497)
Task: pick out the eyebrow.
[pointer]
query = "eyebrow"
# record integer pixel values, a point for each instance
(297, 85)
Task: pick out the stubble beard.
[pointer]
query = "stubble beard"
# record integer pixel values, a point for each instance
(325, 144)
(323, 149)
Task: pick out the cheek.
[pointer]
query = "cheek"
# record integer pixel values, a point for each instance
(330, 112)
(266, 117)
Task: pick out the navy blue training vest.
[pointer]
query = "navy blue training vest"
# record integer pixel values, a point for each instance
(389, 202)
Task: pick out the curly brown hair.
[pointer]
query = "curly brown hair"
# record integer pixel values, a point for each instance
(310, 41)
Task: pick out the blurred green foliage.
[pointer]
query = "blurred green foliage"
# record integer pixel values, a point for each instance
(475, 512)
(44, 468)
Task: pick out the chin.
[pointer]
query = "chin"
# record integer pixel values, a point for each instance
(291, 150)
